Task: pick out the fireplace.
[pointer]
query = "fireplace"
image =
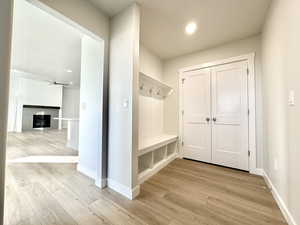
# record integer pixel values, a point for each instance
(37, 117)
(41, 121)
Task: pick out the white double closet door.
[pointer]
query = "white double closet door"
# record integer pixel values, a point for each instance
(215, 115)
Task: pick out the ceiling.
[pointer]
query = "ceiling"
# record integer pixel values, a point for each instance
(219, 21)
(44, 46)
(47, 47)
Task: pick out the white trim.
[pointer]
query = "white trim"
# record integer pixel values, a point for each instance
(122, 189)
(251, 101)
(180, 138)
(284, 209)
(258, 172)
(252, 115)
(87, 32)
(217, 63)
(86, 171)
(101, 183)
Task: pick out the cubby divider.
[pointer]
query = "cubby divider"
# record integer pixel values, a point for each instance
(145, 162)
(159, 155)
(171, 148)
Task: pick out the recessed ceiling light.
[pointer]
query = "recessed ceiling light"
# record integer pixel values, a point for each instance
(191, 28)
(69, 71)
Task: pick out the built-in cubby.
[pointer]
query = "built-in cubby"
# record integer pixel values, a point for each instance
(171, 148)
(156, 148)
(145, 162)
(159, 154)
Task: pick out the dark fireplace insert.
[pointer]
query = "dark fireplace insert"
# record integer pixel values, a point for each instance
(41, 121)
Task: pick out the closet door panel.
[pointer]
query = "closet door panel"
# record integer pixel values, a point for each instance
(230, 115)
(197, 107)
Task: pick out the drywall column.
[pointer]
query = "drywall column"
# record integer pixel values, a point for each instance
(91, 110)
(5, 48)
(123, 102)
(281, 80)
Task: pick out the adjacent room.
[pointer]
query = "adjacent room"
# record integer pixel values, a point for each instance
(150, 112)
(44, 86)
(55, 102)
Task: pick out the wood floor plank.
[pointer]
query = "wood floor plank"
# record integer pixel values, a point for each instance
(79, 210)
(174, 211)
(88, 193)
(146, 213)
(183, 193)
(16, 210)
(244, 212)
(46, 208)
(208, 187)
(113, 213)
(241, 192)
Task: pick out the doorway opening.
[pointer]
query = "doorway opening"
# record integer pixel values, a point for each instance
(55, 108)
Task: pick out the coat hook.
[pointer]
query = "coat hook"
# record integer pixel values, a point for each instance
(142, 87)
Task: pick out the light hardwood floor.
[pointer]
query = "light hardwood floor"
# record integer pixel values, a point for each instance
(185, 192)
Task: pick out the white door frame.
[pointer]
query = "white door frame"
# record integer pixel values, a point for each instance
(251, 102)
(100, 181)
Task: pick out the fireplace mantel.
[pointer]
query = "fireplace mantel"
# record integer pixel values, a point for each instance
(41, 107)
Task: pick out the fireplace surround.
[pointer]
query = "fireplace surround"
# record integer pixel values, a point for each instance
(36, 117)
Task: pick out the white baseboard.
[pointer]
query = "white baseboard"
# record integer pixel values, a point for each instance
(257, 171)
(86, 171)
(102, 183)
(123, 190)
(284, 209)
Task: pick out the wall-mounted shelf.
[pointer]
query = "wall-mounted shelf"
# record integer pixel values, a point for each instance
(153, 88)
(156, 153)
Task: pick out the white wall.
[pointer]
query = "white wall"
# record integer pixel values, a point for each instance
(151, 110)
(237, 48)
(150, 64)
(70, 104)
(280, 48)
(13, 103)
(84, 14)
(91, 105)
(123, 107)
(26, 91)
(5, 45)
(34, 92)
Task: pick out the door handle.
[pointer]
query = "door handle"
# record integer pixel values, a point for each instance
(207, 119)
(214, 119)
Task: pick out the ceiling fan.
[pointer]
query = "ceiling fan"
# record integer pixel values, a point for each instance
(64, 84)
